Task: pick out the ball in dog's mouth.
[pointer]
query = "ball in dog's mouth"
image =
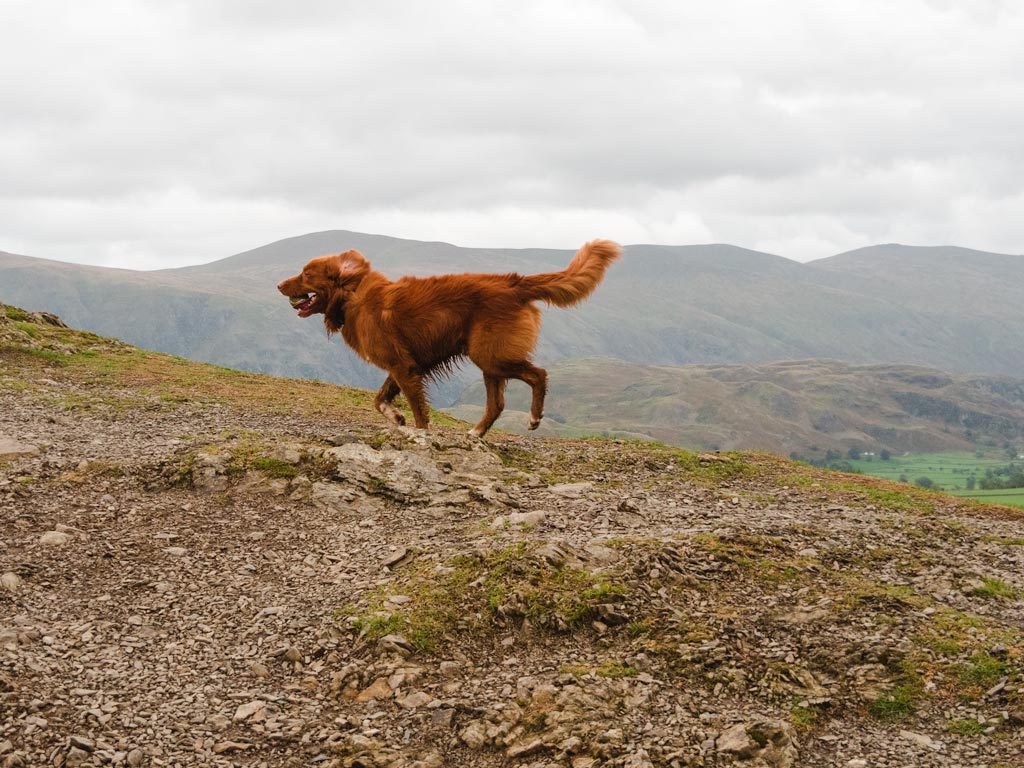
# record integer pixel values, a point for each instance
(302, 303)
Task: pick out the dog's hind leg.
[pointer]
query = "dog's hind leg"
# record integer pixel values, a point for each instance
(495, 404)
(537, 378)
(501, 348)
(384, 401)
(411, 384)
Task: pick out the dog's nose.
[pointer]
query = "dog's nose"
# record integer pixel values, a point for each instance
(279, 285)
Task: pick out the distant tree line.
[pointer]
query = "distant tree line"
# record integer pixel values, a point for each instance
(831, 460)
(1009, 476)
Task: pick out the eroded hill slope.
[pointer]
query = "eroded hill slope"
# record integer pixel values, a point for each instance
(207, 567)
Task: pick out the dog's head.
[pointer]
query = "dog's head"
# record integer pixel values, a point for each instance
(325, 285)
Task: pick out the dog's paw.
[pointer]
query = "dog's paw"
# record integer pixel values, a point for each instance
(474, 432)
(392, 414)
(534, 423)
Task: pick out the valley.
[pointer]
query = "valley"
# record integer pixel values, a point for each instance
(959, 473)
(804, 408)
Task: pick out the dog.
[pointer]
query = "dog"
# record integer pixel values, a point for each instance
(419, 328)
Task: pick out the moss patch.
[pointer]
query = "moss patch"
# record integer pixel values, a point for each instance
(473, 594)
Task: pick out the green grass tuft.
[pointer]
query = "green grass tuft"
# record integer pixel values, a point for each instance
(471, 595)
(981, 670)
(995, 588)
(615, 670)
(901, 701)
(803, 717)
(895, 705)
(967, 727)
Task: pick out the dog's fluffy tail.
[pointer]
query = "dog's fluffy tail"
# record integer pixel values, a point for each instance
(575, 282)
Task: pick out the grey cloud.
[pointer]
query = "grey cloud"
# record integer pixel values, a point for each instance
(724, 120)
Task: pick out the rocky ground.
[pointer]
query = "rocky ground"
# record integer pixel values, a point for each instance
(201, 567)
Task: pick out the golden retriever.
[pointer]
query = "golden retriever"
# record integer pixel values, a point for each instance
(415, 328)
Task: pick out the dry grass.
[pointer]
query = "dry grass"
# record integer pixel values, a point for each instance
(149, 379)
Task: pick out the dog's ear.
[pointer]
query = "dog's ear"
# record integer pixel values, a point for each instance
(348, 270)
(351, 266)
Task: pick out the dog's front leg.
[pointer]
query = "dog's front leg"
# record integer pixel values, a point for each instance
(495, 404)
(411, 384)
(384, 401)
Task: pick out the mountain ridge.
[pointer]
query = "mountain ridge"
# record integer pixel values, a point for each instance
(661, 305)
(365, 239)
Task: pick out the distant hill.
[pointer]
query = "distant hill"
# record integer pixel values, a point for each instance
(805, 407)
(947, 308)
(935, 280)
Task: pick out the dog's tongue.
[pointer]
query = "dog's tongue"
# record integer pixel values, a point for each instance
(302, 304)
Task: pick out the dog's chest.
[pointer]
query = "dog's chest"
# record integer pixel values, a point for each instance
(364, 339)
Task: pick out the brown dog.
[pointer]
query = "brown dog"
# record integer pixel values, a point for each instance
(418, 327)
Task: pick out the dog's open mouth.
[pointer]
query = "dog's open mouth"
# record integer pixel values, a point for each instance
(305, 304)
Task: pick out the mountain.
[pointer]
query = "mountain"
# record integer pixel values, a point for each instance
(970, 303)
(805, 407)
(964, 281)
(202, 566)
(953, 309)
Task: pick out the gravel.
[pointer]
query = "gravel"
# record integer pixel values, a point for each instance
(162, 607)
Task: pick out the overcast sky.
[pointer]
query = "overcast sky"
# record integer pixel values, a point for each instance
(161, 133)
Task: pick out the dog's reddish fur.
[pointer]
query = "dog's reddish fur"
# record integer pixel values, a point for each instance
(417, 327)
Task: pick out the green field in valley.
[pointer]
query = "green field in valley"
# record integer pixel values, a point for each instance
(948, 471)
(1013, 497)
